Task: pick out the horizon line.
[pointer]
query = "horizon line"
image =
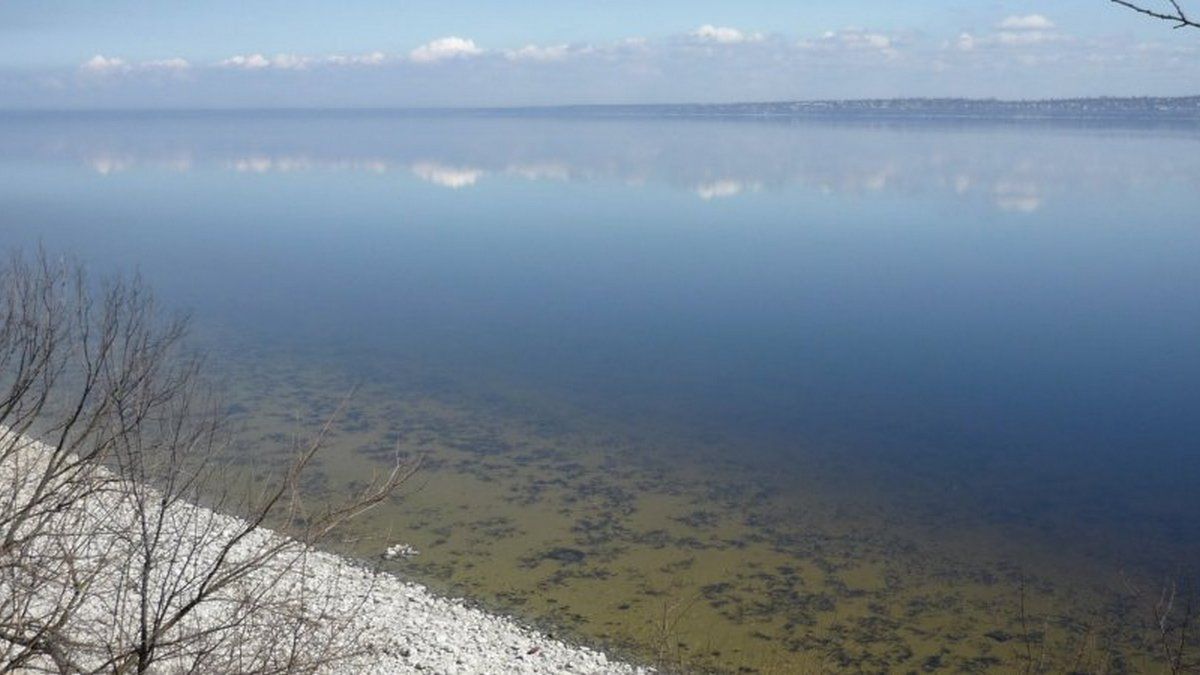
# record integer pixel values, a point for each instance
(577, 106)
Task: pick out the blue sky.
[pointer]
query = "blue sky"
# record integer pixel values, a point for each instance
(221, 53)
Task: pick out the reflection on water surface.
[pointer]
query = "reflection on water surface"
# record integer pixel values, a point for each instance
(788, 397)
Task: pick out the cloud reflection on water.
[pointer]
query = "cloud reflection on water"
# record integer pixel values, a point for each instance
(447, 176)
(1016, 169)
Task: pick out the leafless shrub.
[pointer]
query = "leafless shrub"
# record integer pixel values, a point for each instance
(1171, 615)
(665, 632)
(107, 563)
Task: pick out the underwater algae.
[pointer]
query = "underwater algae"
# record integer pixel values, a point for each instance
(660, 550)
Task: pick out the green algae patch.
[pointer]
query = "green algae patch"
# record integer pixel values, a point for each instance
(659, 549)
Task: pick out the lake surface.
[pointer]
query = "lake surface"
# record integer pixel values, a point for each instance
(772, 395)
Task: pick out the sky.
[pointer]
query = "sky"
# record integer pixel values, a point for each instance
(465, 53)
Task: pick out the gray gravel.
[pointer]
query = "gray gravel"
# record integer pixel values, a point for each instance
(409, 629)
(393, 626)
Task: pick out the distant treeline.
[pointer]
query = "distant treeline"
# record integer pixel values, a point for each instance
(1107, 110)
(1174, 108)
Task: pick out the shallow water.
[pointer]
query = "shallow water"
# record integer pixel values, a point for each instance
(789, 397)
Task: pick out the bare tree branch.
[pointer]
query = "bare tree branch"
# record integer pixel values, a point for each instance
(120, 551)
(1171, 617)
(1175, 14)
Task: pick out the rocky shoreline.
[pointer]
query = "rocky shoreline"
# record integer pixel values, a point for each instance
(376, 622)
(406, 628)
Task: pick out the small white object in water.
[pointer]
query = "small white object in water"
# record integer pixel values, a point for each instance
(402, 551)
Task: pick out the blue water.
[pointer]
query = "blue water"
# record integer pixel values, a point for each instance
(1011, 311)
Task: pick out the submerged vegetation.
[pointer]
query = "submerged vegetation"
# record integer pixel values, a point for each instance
(657, 547)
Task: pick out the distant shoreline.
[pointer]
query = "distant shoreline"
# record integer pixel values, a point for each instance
(1185, 108)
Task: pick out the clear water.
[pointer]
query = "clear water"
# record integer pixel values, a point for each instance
(905, 362)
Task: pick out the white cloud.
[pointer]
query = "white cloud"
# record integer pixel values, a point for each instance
(259, 62)
(445, 48)
(724, 35)
(1027, 37)
(1014, 31)
(369, 59)
(104, 65)
(689, 64)
(853, 40)
(101, 64)
(300, 61)
(291, 62)
(858, 39)
(1027, 22)
(447, 176)
(246, 62)
(537, 53)
(175, 64)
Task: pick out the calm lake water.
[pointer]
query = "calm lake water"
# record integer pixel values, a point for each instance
(778, 396)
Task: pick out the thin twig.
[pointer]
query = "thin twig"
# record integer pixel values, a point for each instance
(1179, 17)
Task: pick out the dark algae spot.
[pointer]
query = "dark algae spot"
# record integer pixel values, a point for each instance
(565, 555)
